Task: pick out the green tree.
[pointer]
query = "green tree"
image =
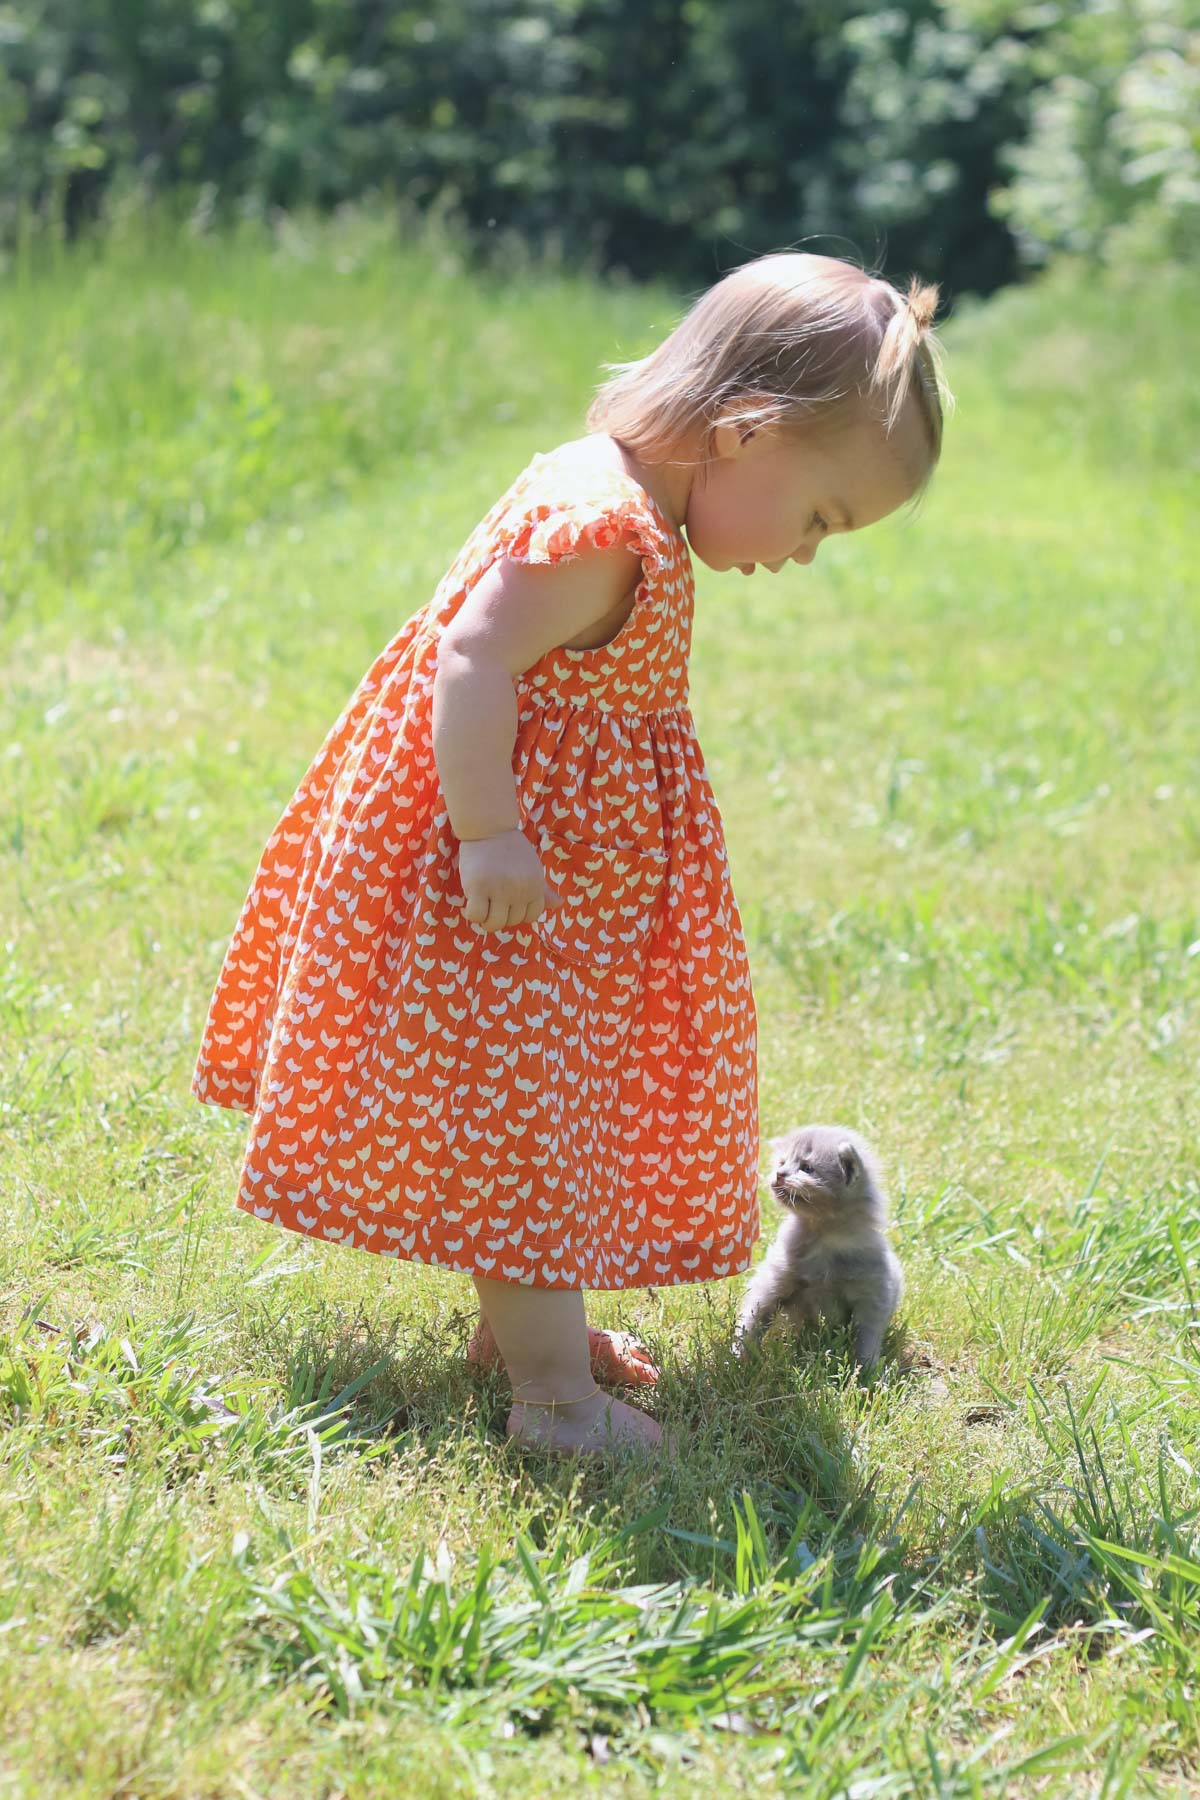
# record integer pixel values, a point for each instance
(1111, 164)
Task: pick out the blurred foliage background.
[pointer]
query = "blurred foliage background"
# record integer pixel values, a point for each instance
(967, 139)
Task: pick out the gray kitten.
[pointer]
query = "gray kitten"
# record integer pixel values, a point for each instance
(831, 1258)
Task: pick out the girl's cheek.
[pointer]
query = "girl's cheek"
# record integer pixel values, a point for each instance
(779, 540)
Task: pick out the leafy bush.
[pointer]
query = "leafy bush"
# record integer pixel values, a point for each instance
(1111, 166)
(672, 138)
(665, 137)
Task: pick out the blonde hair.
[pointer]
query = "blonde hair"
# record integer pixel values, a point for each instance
(783, 341)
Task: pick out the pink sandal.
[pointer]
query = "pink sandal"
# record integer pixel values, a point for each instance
(615, 1355)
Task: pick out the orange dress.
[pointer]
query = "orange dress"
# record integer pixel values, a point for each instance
(571, 1103)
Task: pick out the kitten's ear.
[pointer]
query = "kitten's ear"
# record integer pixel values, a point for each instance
(848, 1159)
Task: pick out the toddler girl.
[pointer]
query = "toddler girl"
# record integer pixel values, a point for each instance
(488, 1002)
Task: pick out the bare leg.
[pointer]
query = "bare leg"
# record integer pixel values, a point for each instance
(616, 1356)
(542, 1334)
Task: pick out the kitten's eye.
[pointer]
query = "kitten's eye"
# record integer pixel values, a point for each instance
(804, 1166)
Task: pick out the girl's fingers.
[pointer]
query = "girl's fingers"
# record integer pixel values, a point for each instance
(497, 917)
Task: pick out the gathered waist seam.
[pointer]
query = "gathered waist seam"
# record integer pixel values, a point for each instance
(616, 712)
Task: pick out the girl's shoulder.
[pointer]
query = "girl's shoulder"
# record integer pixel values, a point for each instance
(591, 472)
(577, 495)
(593, 457)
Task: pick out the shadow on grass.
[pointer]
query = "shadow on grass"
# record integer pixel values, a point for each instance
(775, 1478)
(766, 1440)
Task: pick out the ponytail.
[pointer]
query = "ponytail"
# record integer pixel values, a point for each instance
(908, 350)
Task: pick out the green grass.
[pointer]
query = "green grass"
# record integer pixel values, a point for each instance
(261, 1531)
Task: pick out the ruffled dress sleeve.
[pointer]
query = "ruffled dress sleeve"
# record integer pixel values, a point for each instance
(551, 528)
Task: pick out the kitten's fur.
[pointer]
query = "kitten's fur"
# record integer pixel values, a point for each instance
(831, 1258)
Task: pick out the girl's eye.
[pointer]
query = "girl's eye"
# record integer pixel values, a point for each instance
(818, 520)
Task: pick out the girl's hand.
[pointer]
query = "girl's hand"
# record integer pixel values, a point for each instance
(503, 881)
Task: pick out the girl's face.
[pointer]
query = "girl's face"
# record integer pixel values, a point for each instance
(773, 497)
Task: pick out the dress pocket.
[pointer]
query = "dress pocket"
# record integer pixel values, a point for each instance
(612, 898)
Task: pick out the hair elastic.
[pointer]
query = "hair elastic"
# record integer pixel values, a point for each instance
(922, 313)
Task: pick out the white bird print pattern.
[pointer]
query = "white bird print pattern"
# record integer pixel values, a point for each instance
(571, 1103)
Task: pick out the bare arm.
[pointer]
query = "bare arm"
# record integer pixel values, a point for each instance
(474, 724)
(514, 615)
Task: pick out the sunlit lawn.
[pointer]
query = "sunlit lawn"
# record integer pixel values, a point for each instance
(958, 763)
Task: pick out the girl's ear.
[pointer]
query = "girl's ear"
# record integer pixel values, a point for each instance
(728, 439)
(732, 430)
